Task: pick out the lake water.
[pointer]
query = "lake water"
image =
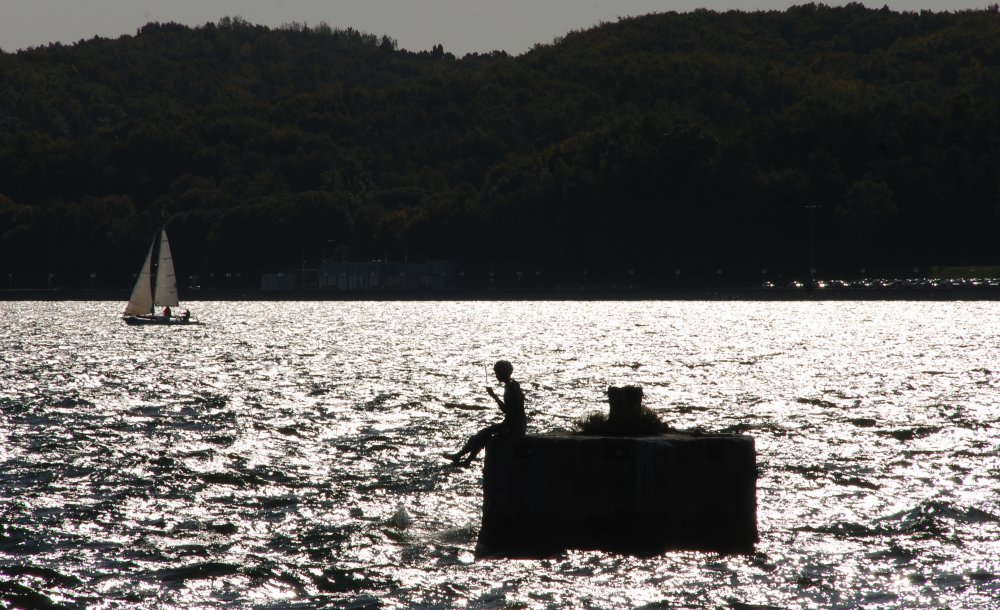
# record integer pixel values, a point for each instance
(286, 455)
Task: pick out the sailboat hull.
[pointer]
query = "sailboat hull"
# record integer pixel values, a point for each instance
(158, 320)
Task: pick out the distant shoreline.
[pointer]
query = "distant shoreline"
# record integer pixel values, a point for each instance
(721, 294)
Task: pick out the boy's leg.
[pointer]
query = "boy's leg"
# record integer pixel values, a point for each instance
(478, 442)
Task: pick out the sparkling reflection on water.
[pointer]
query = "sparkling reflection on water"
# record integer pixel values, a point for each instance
(285, 455)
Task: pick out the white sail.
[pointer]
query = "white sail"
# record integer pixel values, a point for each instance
(166, 283)
(141, 301)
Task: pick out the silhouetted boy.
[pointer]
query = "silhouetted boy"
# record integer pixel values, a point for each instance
(514, 423)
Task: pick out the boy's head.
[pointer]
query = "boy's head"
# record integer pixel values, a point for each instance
(503, 370)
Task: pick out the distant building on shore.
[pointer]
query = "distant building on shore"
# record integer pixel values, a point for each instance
(364, 276)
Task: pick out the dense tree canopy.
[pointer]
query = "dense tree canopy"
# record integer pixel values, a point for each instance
(695, 141)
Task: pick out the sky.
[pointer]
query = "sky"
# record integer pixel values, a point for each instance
(461, 26)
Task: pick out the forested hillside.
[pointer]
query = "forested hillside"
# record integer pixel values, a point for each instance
(689, 141)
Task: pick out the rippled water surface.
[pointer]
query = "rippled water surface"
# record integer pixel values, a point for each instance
(285, 455)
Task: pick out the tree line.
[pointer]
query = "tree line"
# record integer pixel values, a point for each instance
(844, 138)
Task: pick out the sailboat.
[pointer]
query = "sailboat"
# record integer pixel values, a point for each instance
(161, 292)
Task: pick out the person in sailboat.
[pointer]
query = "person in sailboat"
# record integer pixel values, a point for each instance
(187, 315)
(166, 312)
(514, 423)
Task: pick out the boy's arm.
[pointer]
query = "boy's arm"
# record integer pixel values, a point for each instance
(500, 404)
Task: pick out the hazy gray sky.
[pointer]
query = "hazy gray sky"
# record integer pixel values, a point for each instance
(461, 26)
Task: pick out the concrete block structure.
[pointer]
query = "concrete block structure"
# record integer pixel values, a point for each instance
(637, 495)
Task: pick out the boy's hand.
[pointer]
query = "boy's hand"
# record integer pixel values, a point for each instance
(490, 391)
